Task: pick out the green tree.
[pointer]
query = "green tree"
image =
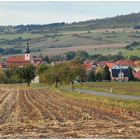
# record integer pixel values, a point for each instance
(2, 76)
(106, 73)
(28, 73)
(42, 68)
(70, 55)
(91, 76)
(99, 76)
(46, 59)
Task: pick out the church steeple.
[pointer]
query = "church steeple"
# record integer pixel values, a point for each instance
(27, 52)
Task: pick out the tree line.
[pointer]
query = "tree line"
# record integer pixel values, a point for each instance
(64, 73)
(71, 72)
(81, 56)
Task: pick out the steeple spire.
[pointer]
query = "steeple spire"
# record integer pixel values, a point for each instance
(27, 50)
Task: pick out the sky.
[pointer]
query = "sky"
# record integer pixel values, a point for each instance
(45, 12)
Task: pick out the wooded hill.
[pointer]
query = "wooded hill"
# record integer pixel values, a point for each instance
(130, 20)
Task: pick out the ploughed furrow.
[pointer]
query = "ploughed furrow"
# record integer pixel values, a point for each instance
(6, 107)
(46, 104)
(3, 95)
(42, 113)
(15, 110)
(81, 109)
(60, 107)
(29, 112)
(42, 108)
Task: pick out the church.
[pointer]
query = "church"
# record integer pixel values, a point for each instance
(21, 61)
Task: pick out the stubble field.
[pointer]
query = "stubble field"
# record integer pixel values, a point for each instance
(44, 113)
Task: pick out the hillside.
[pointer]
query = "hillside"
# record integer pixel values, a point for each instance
(120, 21)
(100, 36)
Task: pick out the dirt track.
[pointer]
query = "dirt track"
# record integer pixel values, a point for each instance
(40, 113)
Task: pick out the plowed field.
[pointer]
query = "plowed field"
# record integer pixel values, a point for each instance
(41, 113)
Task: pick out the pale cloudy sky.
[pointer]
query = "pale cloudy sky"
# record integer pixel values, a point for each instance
(19, 12)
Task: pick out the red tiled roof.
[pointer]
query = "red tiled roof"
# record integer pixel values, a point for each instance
(103, 62)
(137, 74)
(110, 65)
(17, 59)
(88, 66)
(125, 63)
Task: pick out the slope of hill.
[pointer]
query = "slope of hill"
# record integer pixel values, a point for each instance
(120, 21)
(100, 36)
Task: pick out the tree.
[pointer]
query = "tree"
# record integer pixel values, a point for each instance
(42, 68)
(70, 55)
(91, 76)
(99, 76)
(46, 59)
(83, 55)
(2, 76)
(131, 76)
(28, 73)
(80, 73)
(134, 58)
(106, 73)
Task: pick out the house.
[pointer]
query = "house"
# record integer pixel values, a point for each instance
(110, 65)
(102, 63)
(3, 65)
(121, 73)
(35, 80)
(137, 66)
(129, 63)
(36, 61)
(89, 65)
(136, 74)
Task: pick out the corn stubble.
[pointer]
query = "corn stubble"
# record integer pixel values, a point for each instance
(42, 113)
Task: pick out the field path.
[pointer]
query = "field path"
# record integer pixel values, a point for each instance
(112, 95)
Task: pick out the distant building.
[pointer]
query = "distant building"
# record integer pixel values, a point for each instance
(121, 73)
(21, 61)
(3, 66)
(137, 75)
(89, 65)
(129, 63)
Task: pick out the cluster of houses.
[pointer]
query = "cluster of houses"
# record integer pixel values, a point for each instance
(121, 70)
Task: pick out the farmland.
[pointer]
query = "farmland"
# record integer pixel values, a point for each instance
(98, 41)
(41, 112)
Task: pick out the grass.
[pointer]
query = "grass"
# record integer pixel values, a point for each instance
(107, 101)
(124, 88)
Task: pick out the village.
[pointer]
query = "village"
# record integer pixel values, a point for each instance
(121, 70)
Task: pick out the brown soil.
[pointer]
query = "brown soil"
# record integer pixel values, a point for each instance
(41, 113)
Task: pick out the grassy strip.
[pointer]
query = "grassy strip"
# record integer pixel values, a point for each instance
(126, 88)
(107, 101)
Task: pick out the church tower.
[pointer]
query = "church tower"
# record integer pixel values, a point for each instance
(27, 52)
